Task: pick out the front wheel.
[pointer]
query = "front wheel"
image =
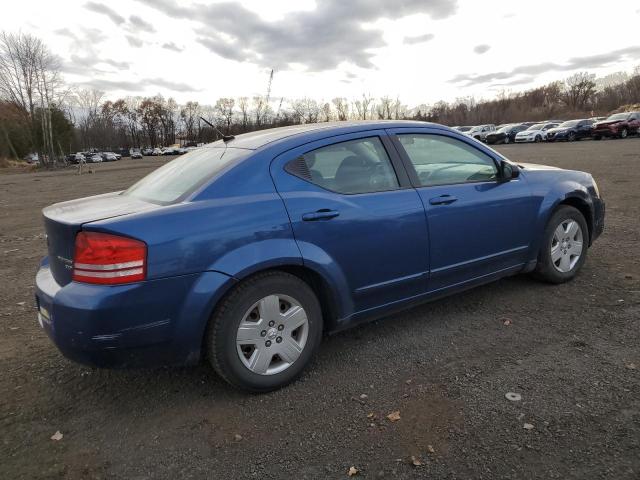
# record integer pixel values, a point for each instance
(564, 246)
(572, 137)
(624, 133)
(538, 139)
(506, 140)
(265, 332)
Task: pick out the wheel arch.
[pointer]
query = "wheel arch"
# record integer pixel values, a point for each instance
(583, 207)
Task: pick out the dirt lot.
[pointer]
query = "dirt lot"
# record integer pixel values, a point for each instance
(571, 351)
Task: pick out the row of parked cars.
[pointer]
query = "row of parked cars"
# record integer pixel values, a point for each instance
(99, 157)
(93, 157)
(618, 125)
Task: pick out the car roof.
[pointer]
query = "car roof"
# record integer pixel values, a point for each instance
(260, 138)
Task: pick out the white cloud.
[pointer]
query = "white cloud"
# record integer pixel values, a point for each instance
(202, 49)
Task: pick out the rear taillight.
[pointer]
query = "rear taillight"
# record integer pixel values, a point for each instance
(108, 259)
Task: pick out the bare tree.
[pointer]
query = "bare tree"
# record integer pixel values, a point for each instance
(29, 77)
(363, 106)
(224, 108)
(579, 89)
(243, 105)
(342, 108)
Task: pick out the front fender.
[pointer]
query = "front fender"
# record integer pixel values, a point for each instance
(558, 193)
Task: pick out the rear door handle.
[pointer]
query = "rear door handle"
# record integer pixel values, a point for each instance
(323, 214)
(442, 200)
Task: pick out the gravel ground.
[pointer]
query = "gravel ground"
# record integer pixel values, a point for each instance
(570, 351)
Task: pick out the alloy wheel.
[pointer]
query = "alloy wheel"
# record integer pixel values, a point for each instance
(566, 245)
(272, 334)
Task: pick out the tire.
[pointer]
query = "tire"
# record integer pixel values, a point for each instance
(506, 140)
(245, 302)
(548, 270)
(572, 137)
(597, 137)
(624, 133)
(538, 139)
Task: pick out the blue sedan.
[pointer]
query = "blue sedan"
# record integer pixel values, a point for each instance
(245, 251)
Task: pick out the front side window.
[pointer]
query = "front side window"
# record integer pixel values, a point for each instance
(440, 160)
(355, 166)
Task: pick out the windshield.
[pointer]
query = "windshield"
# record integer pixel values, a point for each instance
(537, 126)
(178, 178)
(464, 129)
(477, 129)
(506, 128)
(618, 116)
(570, 123)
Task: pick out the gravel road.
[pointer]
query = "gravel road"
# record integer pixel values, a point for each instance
(572, 352)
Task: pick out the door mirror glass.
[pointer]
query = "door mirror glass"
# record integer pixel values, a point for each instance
(508, 171)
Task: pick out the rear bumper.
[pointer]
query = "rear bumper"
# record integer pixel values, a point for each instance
(151, 323)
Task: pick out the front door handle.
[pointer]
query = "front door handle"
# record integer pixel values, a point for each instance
(323, 214)
(442, 200)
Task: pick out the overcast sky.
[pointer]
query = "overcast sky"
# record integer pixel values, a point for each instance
(419, 50)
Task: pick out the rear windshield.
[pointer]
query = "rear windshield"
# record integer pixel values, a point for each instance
(177, 179)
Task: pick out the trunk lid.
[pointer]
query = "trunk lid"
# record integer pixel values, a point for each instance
(62, 221)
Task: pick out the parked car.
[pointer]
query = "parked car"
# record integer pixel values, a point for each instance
(169, 151)
(136, 154)
(109, 157)
(618, 125)
(506, 134)
(480, 132)
(76, 158)
(245, 251)
(570, 131)
(95, 158)
(32, 159)
(535, 133)
(463, 129)
(124, 152)
(147, 152)
(157, 151)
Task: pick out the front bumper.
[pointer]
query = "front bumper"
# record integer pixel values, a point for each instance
(605, 132)
(150, 323)
(525, 139)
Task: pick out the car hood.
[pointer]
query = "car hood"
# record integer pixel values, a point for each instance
(532, 167)
(558, 130)
(529, 132)
(609, 122)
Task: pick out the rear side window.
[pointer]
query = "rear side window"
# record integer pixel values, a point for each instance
(440, 160)
(184, 175)
(355, 166)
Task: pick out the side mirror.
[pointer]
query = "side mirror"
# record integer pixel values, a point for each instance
(508, 171)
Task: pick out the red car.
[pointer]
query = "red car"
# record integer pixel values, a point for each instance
(617, 125)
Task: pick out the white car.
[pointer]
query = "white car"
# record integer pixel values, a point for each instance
(480, 132)
(156, 151)
(535, 133)
(95, 158)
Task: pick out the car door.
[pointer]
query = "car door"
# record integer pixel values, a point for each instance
(356, 217)
(583, 129)
(478, 224)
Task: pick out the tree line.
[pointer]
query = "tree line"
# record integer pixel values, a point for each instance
(40, 113)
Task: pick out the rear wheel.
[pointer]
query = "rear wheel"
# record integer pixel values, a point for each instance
(564, 246)
(572, 137)
(265, 332)
(624, 133)
(538, 139)
(506, 139)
